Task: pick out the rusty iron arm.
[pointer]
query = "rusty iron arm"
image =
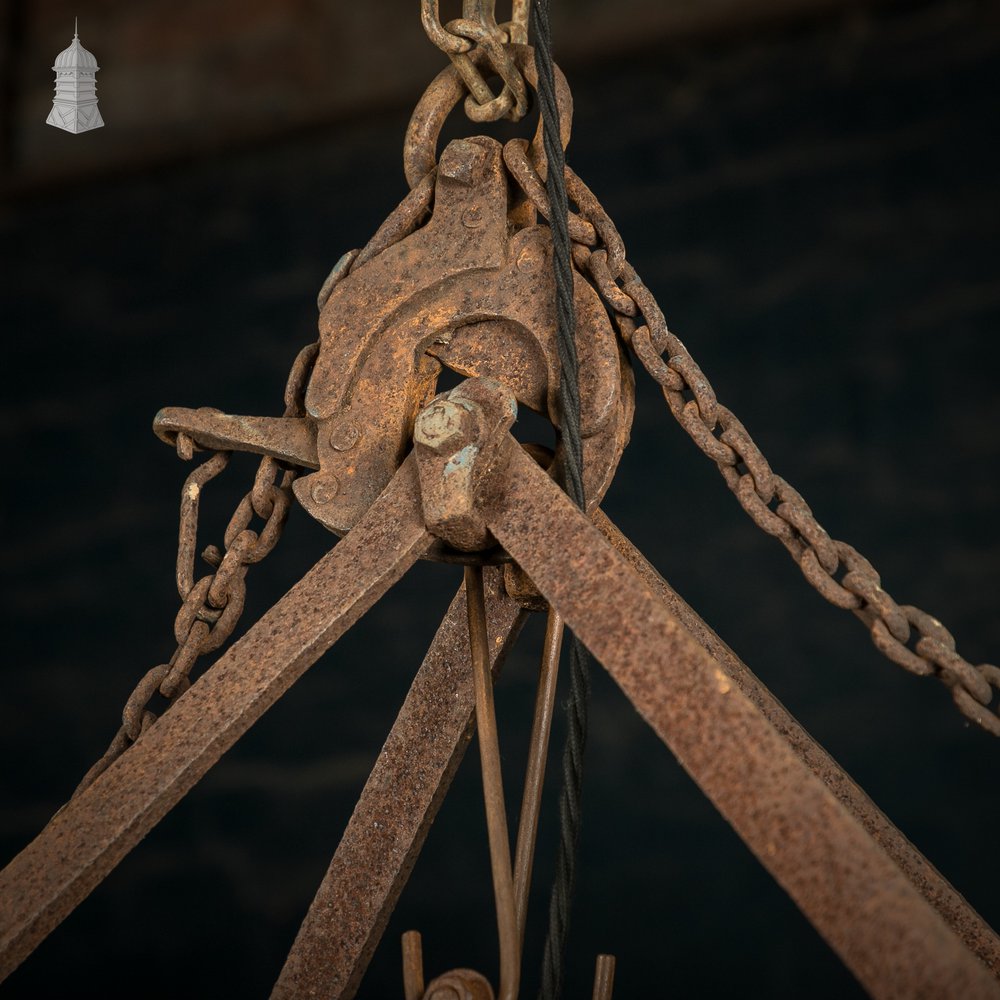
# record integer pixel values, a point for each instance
(821, 838)
(807, 770)
(819, 852)
(413, 773)
(290, 439)
(402, 795)
(978, 936)
(87, 838)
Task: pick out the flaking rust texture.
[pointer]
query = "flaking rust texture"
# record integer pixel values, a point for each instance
(953, 908)
(848, 887)
(465, 288)
(400, 800)
(95, 830)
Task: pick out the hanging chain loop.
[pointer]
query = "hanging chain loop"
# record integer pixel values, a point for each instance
(211, 606)
(906, 635)
(478, 28)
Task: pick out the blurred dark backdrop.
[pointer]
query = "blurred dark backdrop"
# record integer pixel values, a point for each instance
(810, 190)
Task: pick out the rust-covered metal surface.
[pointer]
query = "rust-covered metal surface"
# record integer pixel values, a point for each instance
(978, 936)
(863, 580)
(88, 837)
(470, 287)
(854, 894)
(397, 807)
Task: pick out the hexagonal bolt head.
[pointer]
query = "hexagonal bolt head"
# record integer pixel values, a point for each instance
(463, 161)
(445, 426)
(459, 439)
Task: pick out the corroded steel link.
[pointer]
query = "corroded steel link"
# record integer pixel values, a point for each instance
(592, 210)
(516, 155)
(136, 718)
(295, 387)
(211, 606)
(445, 40)
(231, 570)
(185, 447)
(516, 28)
(478, 28)
(403, 220)
(263, 495)
(197, 609)
(190, 499)
(177, 680)
(974, 710)
(116, 748)
(605, 282)
(904, 634)
(480, 105)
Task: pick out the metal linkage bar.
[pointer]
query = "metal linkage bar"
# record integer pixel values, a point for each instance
(397, 807)
(534, 777)
(849, 888)
(978, 936)
(498, 835)
(412, 774)
(92, 833)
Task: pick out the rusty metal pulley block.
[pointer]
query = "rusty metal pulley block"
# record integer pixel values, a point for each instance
(465, 283)
(460, 277)
(471, 291)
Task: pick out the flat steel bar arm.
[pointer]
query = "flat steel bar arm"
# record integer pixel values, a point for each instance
(400, 800)
(93, 832)
(414, 771)
(884, 930)
(978, 936)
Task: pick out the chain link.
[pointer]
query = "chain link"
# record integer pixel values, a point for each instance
(478, 28)
(906, 635)
(211, 606)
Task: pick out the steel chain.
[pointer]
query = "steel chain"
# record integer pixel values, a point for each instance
(211, 606)
(478, 28)
(906, 635)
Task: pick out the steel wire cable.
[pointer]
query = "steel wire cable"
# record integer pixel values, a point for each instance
(553, 962)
